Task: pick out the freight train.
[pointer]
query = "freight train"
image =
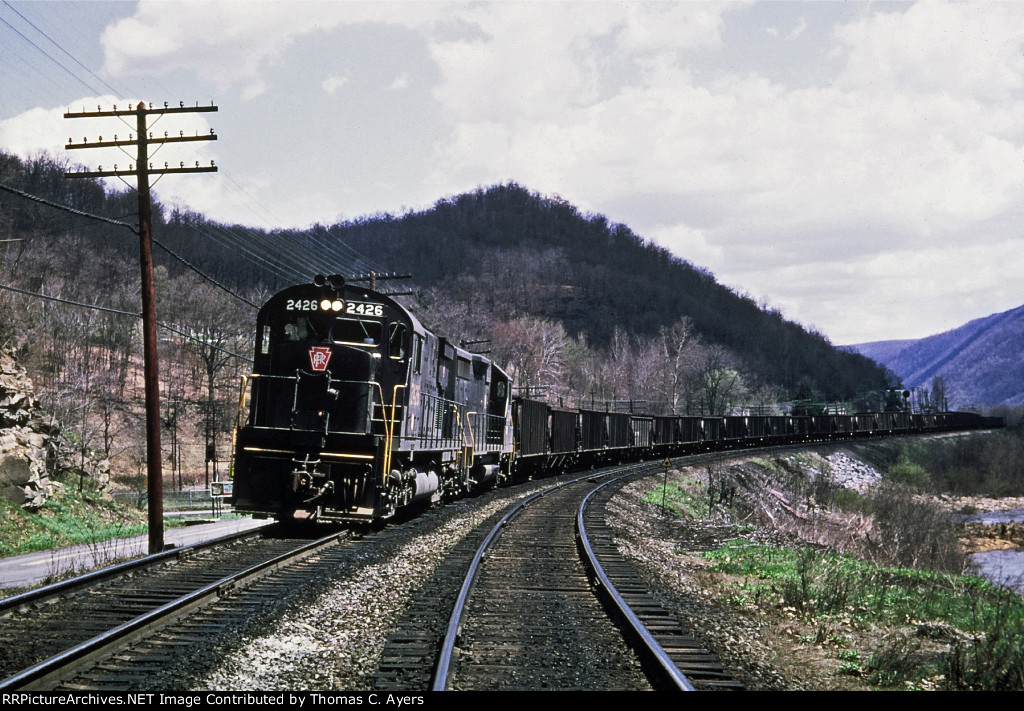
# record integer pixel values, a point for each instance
(354, 411)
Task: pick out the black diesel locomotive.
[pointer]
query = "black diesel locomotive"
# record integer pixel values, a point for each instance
(356, 411)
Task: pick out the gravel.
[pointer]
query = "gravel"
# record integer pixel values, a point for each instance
(331, 635)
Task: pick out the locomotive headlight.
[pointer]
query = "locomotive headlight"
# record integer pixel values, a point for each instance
(337, 305)
(325, 305)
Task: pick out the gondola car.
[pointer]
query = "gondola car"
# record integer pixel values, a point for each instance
(356, 411)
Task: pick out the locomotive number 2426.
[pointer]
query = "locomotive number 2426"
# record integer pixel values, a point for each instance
(354, 308)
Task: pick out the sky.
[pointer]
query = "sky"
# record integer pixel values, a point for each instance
(858, 166)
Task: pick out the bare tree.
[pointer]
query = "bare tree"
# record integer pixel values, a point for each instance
(676, 344)
(716, 384)
(940, 398)
(217, 330)
(534, 351)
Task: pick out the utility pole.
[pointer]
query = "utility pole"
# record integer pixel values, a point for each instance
(142, 170)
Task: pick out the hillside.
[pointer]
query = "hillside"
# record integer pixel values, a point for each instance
(603, 313)
(512, 252)
(882, 351)
(501, 252)
(980, 361)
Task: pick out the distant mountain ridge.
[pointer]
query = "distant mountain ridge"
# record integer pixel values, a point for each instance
(982, 361)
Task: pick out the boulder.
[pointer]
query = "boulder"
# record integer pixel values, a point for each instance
(23, 438)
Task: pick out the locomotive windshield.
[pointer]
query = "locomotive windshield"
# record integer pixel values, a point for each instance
(356, 332)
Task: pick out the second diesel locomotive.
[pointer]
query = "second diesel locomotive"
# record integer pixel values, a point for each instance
(355, 410)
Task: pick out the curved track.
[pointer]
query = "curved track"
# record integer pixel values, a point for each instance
(527, 616)
(532, 621)
(677, 658)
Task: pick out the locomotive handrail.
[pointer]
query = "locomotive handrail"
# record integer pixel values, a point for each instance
(389, 428)
(268, 376)
(295, 378)
(481, 429)
(469, 428)
(238, 423)
(461, 456)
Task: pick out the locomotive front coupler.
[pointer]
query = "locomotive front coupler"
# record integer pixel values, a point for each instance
(305, 476)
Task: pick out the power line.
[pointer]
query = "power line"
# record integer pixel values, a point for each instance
(100, 218)
(121, 312)
(65, 208)
(47, 55)
(203, 275)
(58, 46)
(47, 297)
(336, 257)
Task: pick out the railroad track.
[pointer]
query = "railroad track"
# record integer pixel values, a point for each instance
(557, 614)
(677, 658)
(526, 615)
(48, 637)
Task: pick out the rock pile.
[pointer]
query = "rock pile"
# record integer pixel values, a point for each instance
(24, 436)
(851, 473)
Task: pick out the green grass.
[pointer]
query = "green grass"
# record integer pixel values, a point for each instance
(685, 498)
(69, 517)
(822, 586)
(906, 471)
(771, 465)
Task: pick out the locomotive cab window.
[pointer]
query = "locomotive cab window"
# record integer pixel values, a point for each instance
(297, 330)
(396, 341)
(356, 332)
(265, 341)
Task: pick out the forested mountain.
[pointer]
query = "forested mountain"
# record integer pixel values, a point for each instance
(499, 253)
(979, 363)
(580, 310)
(518, 253)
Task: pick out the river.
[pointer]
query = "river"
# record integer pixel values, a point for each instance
(1002, 567)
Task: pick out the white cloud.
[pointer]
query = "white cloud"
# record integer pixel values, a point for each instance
(229, 43)
(961, 49)
(400, 82)
(910, 141)
(801, 26)
(332, 83)
(37, 130)
(775, 160)
(899, 293)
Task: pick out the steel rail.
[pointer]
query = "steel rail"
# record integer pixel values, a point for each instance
(51, 670)
(452, 632)
(63, 587)
(650, 647)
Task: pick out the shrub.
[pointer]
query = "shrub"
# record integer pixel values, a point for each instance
(909, 473)
(914, 532)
